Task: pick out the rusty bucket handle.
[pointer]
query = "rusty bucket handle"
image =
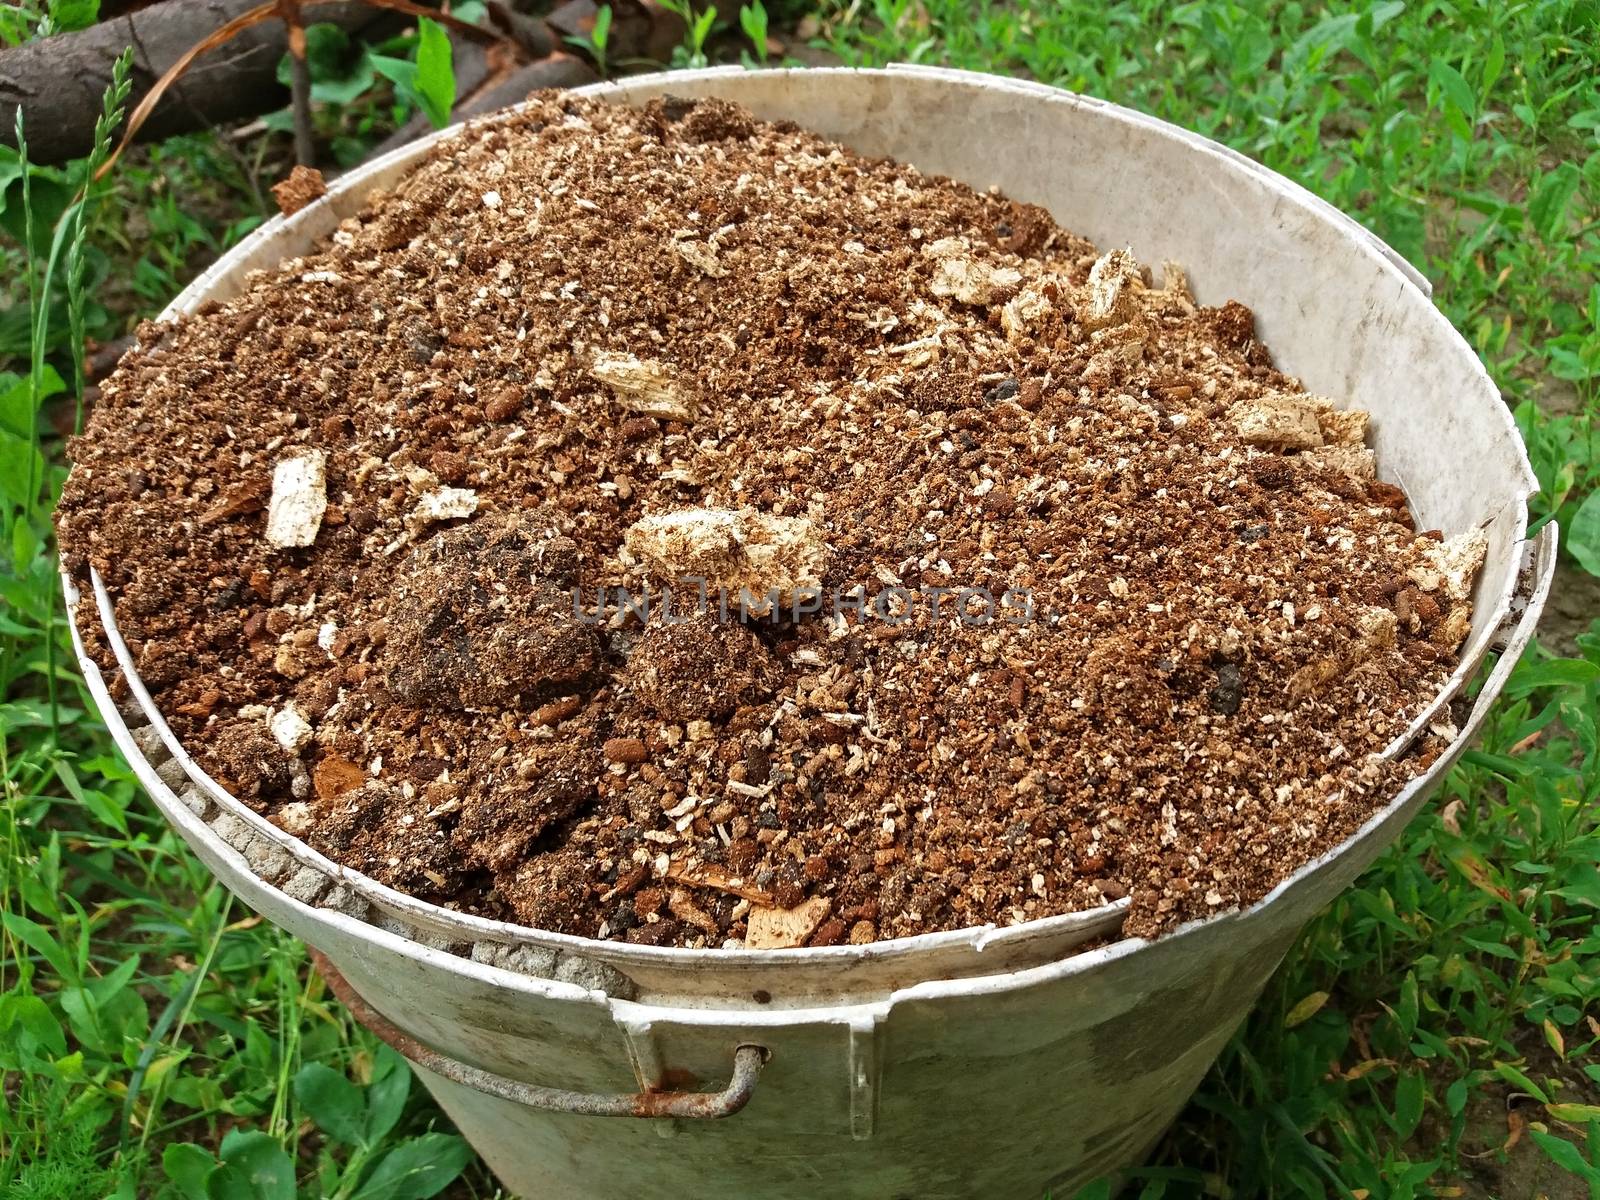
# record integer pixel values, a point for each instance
(747, 1063)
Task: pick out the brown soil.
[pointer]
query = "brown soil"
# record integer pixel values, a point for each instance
(1572, 610)
(572, 322)
(1495, 1156)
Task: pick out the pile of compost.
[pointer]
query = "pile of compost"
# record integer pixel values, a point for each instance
(658, 524)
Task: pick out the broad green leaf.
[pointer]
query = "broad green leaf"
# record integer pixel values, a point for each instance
(601, 31)
(33, 1016)
(1334, 34)
(1553, 1036)
(106, 810)
(417, 1169)
(1406, 1177)
(333, 1102)
(1409, 1091)
(25, 545)
(1566, 1156)
(1407, 1009)
(1547, 208)
(1519, 1080)
(1583, 535)
(20, 461)
(401, 72)
(703, 24)
(436, 78)
(340, 90)
(188, 1166)
(1555, 672)
(386, 1094)
(1493, 64)
(17, 403)
(327, 48)
(37, 938)
(52, 190)
(83, 1014)
(340, 71)
(1453, 87)
(254, 1167)
(69, 15)
(1577, 1114)
(1582, 884)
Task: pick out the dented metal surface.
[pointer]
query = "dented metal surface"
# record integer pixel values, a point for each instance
(891, 1061)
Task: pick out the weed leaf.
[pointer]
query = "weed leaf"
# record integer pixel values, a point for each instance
(1453, 88)
(74, 14)
(386, 1094)
(1583, 537)
(1552, 673)
(1518, 1079)
(333, 1102)
(436, 79)
(16, 400)
(417, 1169)
(1552, 195)
(1575, 1113)
(1305, 1010)
(1568, 1157)
(1334, 34)
(35, 1019)
(254, 1167)
(1409, 1091)
(188, 1166)
(37, 938)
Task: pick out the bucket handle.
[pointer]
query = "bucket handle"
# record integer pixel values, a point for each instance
(747, 1063)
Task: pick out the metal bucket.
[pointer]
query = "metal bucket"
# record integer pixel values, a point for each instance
(984, 1062)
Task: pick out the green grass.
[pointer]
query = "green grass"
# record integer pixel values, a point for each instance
(1433, 1034)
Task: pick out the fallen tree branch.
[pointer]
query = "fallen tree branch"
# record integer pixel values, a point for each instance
(58, 81)
(292, 14)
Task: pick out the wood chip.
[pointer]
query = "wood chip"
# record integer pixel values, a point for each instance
(732, 549)
(248, 497)
(710, 875)
(1278, 420)
(785, 928)
(650, 389)
(299, 498)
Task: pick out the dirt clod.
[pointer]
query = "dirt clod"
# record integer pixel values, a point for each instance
(476, 621)
(698, 669)
(303, 185)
